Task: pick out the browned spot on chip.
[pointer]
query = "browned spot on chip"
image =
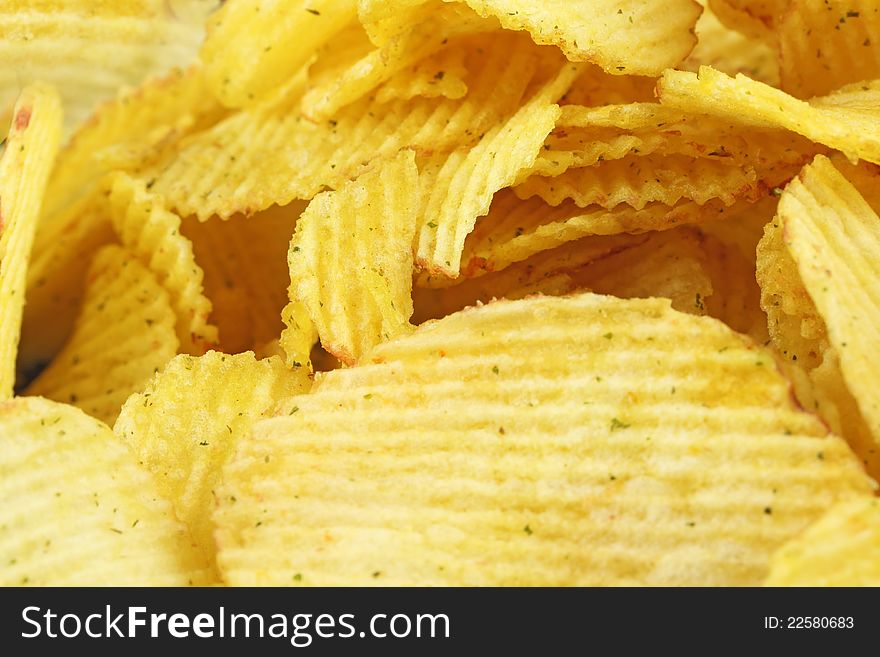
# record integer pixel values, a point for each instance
(23, 118)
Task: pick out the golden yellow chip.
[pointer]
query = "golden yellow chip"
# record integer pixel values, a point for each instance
(825, 44)
(142, 125)
(25, 165)
(136, 127)
(841, 549)
(152, 234)
(89, 50)
(442, 74)
(848, 120)
(818, 273)
(515, 230)
(123, 335)
(351, 258)
(270, 154)
(191, 418)
(623, 37)
(577, 440)
(253, 46)
(551, 272)
(637, 180)
(670, 264)
(246, 274)
(461, 185)
(414, 43)
(585, 136)
(77, 510)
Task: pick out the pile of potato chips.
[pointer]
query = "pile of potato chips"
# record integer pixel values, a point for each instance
(440, 292)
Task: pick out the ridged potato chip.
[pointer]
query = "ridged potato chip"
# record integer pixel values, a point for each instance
(578, 440)
(77, 510)
(637, 180)
(623, 37)
(515, 230)
(442, 74)
(123, 335)
(461, 185)
(89, 50)
(57, 280)
(151, 233)
(184, 426)
(587, 136)
(25, 165)
(351, 260)
(848, 120)
(841, 549)
(271, 154)
(825, 44)
(818, 270)
(414, 43)
(668, 264)
(246, 273)
(139, 126)
(252, 46)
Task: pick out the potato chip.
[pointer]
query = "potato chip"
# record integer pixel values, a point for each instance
(184, 426)
(577, 440)
(152, 234)
(515, 230)
(246, 274)
(840, 549)
(90, 50)
(624, 37)
(585, 136)
(442, 74)
(832, 235)
(553, 272)
(847, 120)
(731, 52)
(57, 280)
(77, 510)
(123, 335)
(25, 165)
(416, 42)
(270, 153)
(253, 46)
(351, 258)
(825, 44)
(637, 180)
(463, 185)
(139, 126)
(667, 264)
(299, 335)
